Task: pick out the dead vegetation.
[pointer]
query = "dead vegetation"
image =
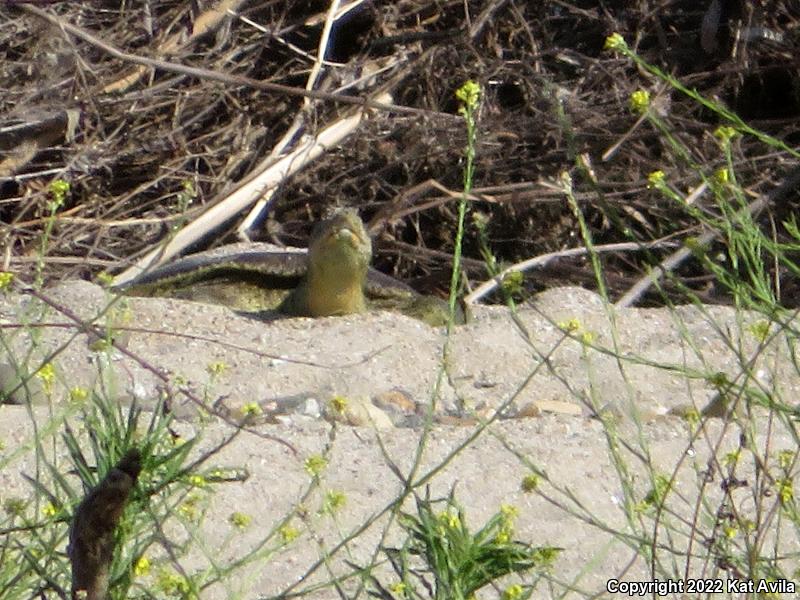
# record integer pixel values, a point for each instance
(154, 111)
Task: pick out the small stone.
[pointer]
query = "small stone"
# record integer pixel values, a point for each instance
(14, 391)
(310, 408)
(529, 411)
(649, 415)
(553, 406)
(717, 408)
(359, 412)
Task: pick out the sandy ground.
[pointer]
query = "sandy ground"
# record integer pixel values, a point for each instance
(550, 388)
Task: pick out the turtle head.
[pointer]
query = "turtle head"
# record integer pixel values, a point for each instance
(338, 258)
(341, 244)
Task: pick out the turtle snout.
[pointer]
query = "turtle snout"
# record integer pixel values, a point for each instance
(350, 237)
(345, 235)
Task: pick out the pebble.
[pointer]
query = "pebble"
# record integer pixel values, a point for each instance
(14, 391)
(359, 412)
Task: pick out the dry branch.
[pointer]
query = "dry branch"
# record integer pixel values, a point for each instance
(487, 287)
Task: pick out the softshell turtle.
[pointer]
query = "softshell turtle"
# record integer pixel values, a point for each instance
(332, 278)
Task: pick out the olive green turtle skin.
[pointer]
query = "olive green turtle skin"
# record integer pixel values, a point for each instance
(332, 278)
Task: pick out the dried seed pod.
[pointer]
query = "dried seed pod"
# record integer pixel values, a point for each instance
(91, 536)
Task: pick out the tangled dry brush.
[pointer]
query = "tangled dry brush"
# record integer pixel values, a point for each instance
(154, 111)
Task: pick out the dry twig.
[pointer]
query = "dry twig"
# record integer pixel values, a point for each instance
(487, 287)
